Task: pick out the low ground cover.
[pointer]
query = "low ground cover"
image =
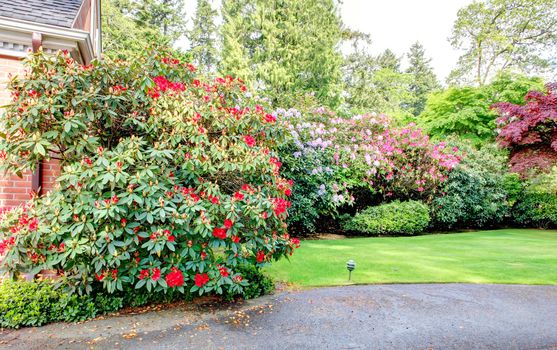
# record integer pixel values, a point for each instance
(521, 256)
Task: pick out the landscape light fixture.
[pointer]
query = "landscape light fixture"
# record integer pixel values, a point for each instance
(350, 266)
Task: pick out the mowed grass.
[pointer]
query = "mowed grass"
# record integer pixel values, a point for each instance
(519, 256)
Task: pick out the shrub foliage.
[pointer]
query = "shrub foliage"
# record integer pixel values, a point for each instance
(478, 192)
(400, 218)
(169, 180)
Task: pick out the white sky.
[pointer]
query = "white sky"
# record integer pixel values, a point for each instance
(397, 24)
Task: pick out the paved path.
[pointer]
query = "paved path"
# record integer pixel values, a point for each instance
(447, 316)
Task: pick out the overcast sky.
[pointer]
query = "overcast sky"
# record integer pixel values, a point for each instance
(396, 24)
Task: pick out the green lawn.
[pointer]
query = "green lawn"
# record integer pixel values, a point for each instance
(498, 256)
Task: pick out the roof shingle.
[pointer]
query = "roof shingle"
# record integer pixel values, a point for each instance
(54, 12)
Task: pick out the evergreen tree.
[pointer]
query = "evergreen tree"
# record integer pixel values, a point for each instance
(167, 15)
(422, 78)
(290, 47)
(202, 36)
(389, 60)
(235, 35)
(122, 35)
(374, 83)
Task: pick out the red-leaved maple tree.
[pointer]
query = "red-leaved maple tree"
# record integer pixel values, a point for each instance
(530, 131)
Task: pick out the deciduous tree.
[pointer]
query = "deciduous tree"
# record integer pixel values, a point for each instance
(504, 34)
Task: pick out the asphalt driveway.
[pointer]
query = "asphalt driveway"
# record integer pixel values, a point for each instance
(427, 316)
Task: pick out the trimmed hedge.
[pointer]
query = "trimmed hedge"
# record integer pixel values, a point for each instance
(33, 304)
(25, 303)
(395, 218)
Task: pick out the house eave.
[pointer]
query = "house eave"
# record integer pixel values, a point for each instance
(20, 32)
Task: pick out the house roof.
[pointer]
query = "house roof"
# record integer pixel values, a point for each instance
(61, 13)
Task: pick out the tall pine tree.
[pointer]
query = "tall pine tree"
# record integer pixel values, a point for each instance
(422, 78)
(388, 60)
(202, 36)
(235, 35)
(291, 47)
(167, 15)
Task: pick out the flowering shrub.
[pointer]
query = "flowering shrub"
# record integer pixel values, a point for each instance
(169, 182)
(530, 131)
(337, 161)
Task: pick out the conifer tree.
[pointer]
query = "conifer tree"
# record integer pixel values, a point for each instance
(202, 36)
(287, 47)
(422, 78)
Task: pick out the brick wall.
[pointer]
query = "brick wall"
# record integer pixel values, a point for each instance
(8, 65)
(13, 189)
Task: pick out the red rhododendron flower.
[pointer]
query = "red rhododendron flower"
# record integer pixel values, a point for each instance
(280, 205)
(203, 255)
(239, 196)
(175, 278)
(144, 274)
(249, 140)
(219, 233)
(87, 161)
(33, 224)
(223, 271)
(260, 256)
(296, 242)
(269, 118)
(228, 223)
(24, 219)
(156, 274)
(276, 163)
(235, 239)
(162, 83)
(99, 277)
(154, 93)
(247, 188)
(6, 244)
(201, 279)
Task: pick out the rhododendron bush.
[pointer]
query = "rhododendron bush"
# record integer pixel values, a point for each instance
(530, 131)
(169, 180)
(339, 161)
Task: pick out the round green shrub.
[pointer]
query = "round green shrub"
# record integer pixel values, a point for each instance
(536, 209)
(395, 218)
(478, 192)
